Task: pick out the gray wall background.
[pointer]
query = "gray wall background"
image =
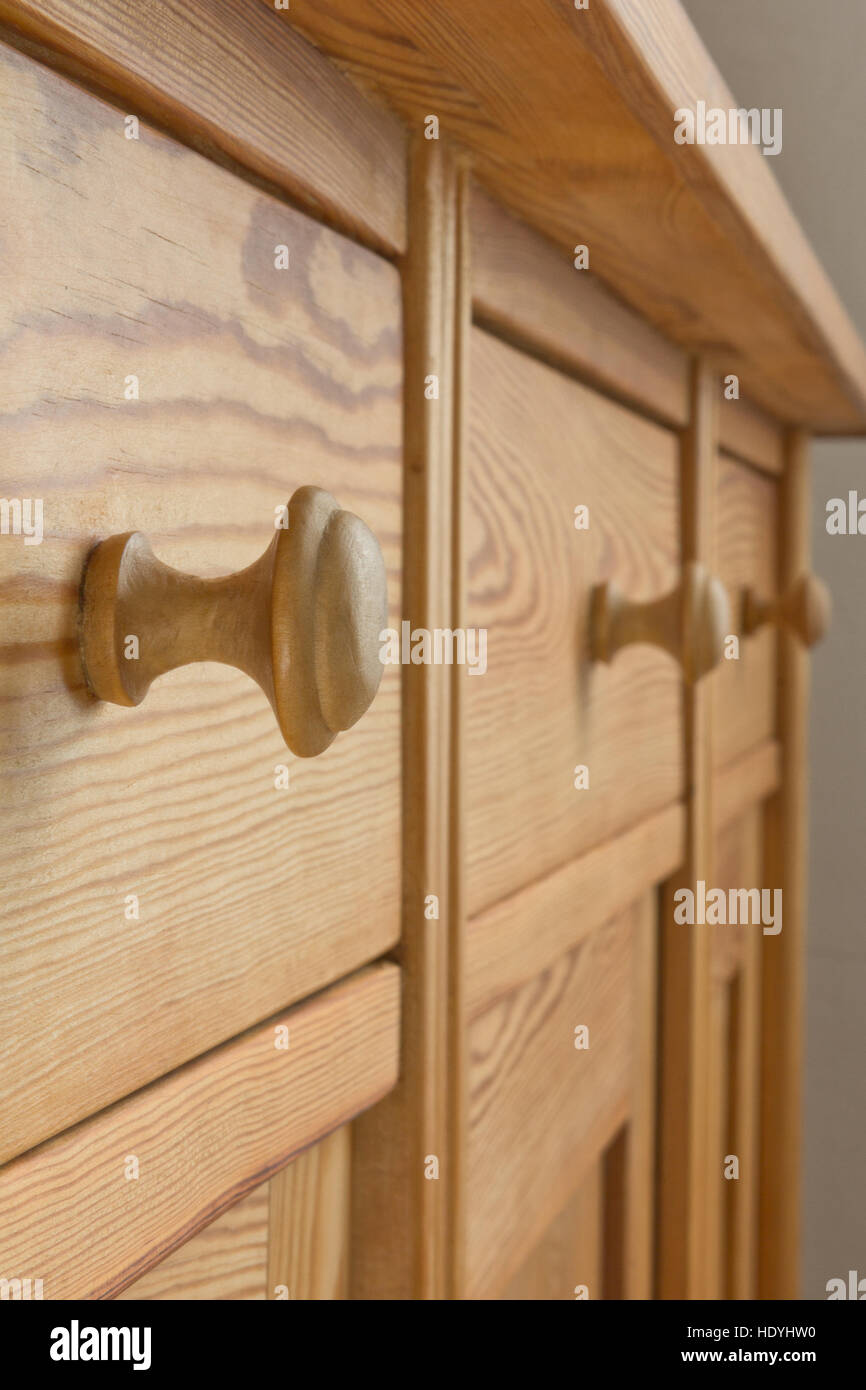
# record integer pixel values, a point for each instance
(808, 59)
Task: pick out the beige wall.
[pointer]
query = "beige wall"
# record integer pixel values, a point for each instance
(807, 57)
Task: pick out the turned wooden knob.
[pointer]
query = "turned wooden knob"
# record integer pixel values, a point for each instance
(805, 610)
(690, 622)
(304, 620)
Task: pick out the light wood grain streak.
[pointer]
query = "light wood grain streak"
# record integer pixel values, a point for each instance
(752, 778)
(308, 1227)
(526, 288)
(569, 1252)
(203, 1136)
(698, 239)
(750, 435)
(539, 445)
(229, 78)
(143, 258)
(224, 1261)
(541, 1112)
(526, 932)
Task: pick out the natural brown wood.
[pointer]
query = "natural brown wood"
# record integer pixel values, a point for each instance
(228, 78)
(540, 446)
(308, 1225)
(305, 620)
(739, 861)
(697, 238)
(201, 1138)
(568, 1256)
(684, 968)
(142, 259)
(751, 436)
(525, 289)
(805, 609)
(542, 1110)
(784, 955)
(402, 1208)
(690, 623)
(746, 521)
(224, 1261)
(741, 784)
(511, 941)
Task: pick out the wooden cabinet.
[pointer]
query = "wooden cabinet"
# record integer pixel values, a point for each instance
(413, 1018)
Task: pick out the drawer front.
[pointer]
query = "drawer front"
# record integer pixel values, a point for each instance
(541, 445)
(161, 891)
(746, 521)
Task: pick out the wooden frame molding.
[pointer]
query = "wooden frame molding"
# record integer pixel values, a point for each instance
(683, 1215)
(526, 291)
(202, 1136)
(786, 850)
(278, 108)
(403, 1216)
(711, 220)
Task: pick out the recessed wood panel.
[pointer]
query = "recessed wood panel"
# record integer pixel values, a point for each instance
(140, 259)
(541, 1110)
(539, 446)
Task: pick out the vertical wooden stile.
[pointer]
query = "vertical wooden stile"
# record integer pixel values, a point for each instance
(403, 1214)
(684, 1207)
(783, 955)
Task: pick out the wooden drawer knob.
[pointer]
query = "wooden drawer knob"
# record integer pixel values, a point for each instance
(691, 622)
(805, 610)
(304, 620)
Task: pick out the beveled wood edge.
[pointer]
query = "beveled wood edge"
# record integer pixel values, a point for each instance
(736, 185)
(573, 1171)
(749, 435)
(739, 785)
(568, 317)
(511, 941)
(344, 1053)
(314, 138)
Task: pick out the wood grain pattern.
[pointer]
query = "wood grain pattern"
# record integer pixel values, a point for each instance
(142, 258)
(224, 1261)
(228, 78)
(308, 1225)
(539, 446)
(526, 289)
(202, 1138)
(741, 784)
(786, 854)
(738, 953)
(752, 436)
(684, 962)
(511, 941)
(541, 1111)
(697, 238)
(568, 1254)
(746, 546)
(402, 1241)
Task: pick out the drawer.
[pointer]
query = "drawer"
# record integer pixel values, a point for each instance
(746, 528)
(161, 891)
(540, 445)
